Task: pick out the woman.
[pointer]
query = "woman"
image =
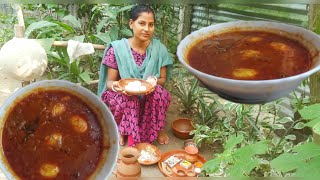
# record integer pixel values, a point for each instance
(142, 119)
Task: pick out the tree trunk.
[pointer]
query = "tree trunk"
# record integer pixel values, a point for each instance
(185, 17)
(314, 25)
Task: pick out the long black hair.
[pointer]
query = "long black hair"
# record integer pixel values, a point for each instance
(136, 10)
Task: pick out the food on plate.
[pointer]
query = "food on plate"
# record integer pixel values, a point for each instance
(198, 164)
(197, 170)
(166, 169)
(147, 155)
(249, 55)
(191, 173)
(181, 173)
(185, 164)
(172, 161)
(135, 86)
(37, 145)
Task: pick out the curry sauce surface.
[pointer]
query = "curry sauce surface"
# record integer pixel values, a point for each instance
(250, 55)
(39, 130)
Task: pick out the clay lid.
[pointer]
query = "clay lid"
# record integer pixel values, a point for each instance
(191, 150)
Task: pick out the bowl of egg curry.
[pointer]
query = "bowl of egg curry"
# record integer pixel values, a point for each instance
(251, 62)
(55, 129)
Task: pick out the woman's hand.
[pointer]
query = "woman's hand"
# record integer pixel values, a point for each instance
(116, 88)
(153, 81)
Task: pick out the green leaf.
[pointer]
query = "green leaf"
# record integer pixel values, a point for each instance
(311, 169)
(310, 112)
(285, 120)
(291, 137)
(64, 76)
(112, 15)
(61, 12)
(85, 77)
(114, 33)
(79, 38)
(46, 43)
(66, 26)
(247, 152)
(299, 125)
(313, 122)
(277, 126)
(316, 128)
(275, 140)
(73, 20)
(244, 158)
(103, 37)
(61, 62)
(297, 160)
(233, 141)
(287, 146)
(285, 162)
(212, 165)
(125, 8)
(101, 24)
(38, 25)
(241, 168)
(126, 32)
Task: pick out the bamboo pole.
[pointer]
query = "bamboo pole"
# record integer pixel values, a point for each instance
(65, 44)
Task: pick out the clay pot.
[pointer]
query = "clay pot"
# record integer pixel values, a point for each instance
(127, 164)
(191, 148)
(182, 127)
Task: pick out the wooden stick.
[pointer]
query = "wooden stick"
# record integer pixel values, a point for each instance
(91, 82)
(65, 44)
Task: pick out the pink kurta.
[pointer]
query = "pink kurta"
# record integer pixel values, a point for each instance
(139, 117)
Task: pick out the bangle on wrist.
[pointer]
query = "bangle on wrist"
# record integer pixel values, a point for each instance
(113, 87)
(153, 77)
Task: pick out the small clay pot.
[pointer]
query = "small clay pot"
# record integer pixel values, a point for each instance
(127, 164)
(191, 148)
(189, 142)
(182, 127)
(181, 173)
(191, 173)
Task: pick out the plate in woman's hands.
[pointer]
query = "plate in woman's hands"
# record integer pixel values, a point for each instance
(133, 86)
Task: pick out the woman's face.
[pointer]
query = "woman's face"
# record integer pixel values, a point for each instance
(143, 26)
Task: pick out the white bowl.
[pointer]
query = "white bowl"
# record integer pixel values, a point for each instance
(106, 165)
(252, 91)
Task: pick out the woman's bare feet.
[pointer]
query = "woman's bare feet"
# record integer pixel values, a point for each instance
(121, 140)
(163, 138)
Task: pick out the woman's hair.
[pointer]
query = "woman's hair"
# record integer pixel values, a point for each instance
(136, 10)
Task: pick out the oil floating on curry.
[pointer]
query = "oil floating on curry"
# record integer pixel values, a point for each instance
(52, 134)
(249, 55)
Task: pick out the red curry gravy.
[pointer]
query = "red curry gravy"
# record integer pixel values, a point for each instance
(250, 55)
(52, 134)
